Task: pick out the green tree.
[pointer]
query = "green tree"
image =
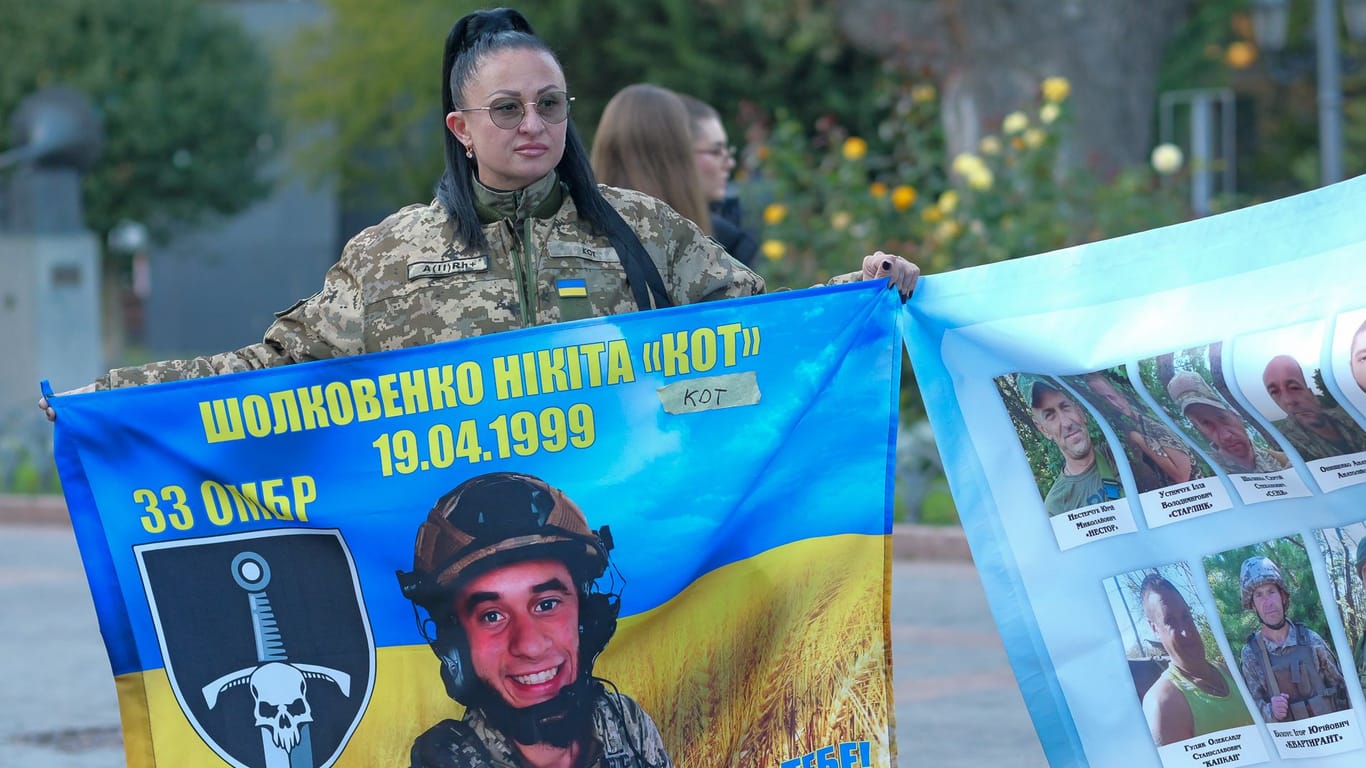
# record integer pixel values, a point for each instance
(383, 123)
(1349, 593)
(183, 93)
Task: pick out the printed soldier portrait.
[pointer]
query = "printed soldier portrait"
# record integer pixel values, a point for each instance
(1268, 603)
(1344, 556)
(1188, 386)
(1280, 374)
(1157, 457)
(1180, 675)
(506, 571)
(1348, 358)
(1068, 454)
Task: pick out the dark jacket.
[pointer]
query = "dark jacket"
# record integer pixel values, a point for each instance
(736, 241)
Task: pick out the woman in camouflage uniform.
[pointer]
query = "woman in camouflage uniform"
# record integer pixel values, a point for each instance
(520, 233)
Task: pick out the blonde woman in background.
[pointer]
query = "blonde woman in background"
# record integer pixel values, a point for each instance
(643, 143)
(715, 160)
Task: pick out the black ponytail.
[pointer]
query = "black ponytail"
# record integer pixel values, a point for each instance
(472, 38)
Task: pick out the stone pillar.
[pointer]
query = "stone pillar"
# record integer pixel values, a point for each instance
(49, 261)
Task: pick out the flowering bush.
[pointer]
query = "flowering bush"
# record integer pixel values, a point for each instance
(828, 197)
(832, 197)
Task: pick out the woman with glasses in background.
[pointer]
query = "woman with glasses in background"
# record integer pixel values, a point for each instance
(715, 160)
(520, 234)
(643, 142)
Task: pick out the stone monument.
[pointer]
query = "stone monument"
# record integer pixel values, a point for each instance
(49, 260)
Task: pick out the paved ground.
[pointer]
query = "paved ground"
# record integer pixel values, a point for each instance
(58, 708)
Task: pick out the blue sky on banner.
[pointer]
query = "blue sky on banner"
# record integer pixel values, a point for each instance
(683, 494)
(1237, 279)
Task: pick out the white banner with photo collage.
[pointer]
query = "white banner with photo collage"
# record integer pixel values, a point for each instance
(1157, 446)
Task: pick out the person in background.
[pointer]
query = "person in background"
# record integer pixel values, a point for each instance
(715, 159)
(518, 229)
(643, 143)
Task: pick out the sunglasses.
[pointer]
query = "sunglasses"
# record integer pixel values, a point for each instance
(552, 107)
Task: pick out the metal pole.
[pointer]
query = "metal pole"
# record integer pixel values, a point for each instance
(1329, 91)
(1202, 154)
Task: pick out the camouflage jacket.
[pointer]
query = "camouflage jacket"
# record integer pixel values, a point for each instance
(624, 736)
(1254, 670)
(406, 281)
(1361, 661)
(1313, 446)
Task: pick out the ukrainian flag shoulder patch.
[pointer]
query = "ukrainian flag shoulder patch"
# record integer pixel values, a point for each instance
(572, 287)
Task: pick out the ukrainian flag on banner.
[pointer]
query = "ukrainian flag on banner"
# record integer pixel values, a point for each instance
(242, 533)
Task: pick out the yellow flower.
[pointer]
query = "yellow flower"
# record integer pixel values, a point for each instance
(840, 220)
(774, 214)
(1056, 89)
(1167, 159)
(1017, 143)
(762, 152)
(877, 189)
(990, 145)
(966, 163)
(1034, 138)
(1240, 54)
(982, 179)
(923, 93)
(947, 229)
(903, 197)
(773, 249)
(854, 148)
(948, 201)
(1015, 122)
(932, 214)
(1048, 113)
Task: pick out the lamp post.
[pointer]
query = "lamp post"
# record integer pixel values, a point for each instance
(1269, 19)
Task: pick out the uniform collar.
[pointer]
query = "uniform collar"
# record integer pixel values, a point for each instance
(538, 200)
(505, 753)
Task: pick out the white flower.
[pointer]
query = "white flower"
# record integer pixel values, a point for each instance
(1167, 159)
(1014, 123)
(1049, 112)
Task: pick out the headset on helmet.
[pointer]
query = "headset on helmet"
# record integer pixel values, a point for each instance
(493, 520)
(1257, 571)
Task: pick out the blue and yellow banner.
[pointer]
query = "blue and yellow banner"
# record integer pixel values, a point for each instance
(1157, 446)
(245, 536)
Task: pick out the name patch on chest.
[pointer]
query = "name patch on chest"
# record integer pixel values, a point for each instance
(452, 267)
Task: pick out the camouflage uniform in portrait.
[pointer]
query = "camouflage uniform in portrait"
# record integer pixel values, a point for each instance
(1299, 666)
(1360, 649)
(1313, 446)
(407, 281)
(1161, 441)
(618, 721)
